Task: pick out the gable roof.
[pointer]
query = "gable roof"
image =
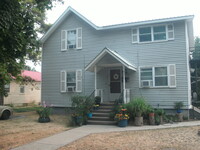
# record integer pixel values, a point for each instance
(32, 74)
(123, 61)
(70, 10)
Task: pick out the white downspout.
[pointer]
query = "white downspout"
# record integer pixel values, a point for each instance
(95, 80)
(124, 91)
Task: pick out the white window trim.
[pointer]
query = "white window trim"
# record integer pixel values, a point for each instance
(152, 34)
(65, 81)
(77, 39)
(153, 75)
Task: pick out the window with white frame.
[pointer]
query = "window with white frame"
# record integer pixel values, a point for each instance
(159, 33)
(153, 33)
(145, 34)
(71, 81)
(161, 76)
(71, 39)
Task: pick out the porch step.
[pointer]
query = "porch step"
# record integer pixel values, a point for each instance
(102, 118)
(102, 115)
(100, 122)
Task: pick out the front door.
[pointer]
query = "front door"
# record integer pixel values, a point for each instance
(115, 84)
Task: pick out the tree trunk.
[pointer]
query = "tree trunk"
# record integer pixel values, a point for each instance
(1, 99)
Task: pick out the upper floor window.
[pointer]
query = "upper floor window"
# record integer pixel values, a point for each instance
(153, 33)
(145, 34)
(71, 39)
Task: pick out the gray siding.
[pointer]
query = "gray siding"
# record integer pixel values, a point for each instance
(163, 53)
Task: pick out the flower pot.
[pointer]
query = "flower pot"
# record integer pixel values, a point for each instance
(44, 119)
(138, 121)
(180, 117)
(123, 123)
(179, 111)
(151, 118)
(89, 115)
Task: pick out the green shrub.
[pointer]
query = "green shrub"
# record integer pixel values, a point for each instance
(178, 105)
(137, 107)
(44, 112)
(82, 105)
(160, 112)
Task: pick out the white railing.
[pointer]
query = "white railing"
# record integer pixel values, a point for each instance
(99, 92)
(127, 95)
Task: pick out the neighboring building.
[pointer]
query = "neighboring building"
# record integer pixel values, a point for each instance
(147, 58)
(22, 94)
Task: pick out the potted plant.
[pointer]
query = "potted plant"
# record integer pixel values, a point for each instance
(96, 107)
(159, 116)
(122, 118)
(178, 106)
(97, 100)
(138, 106)
(44, 114)
(151, 114)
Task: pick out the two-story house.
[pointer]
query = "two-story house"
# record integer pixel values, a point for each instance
(147, 58)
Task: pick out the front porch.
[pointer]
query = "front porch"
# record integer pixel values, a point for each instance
(111, 74)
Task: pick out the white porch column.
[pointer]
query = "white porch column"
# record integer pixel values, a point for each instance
(95, 80)
(124, 87)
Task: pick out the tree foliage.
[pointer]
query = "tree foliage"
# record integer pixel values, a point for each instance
(20, 22)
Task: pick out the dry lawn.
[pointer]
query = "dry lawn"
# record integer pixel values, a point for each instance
(185, 138)
(21, 130)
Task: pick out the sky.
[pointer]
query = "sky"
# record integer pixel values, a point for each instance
(109, 12)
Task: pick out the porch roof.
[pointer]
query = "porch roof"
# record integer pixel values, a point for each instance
(119, 58)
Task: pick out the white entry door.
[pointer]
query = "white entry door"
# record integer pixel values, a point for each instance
(115, 84)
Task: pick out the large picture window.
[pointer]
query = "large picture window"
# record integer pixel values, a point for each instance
(162, 76)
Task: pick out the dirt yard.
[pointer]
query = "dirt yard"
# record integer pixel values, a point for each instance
(185, 138)
(24, 128)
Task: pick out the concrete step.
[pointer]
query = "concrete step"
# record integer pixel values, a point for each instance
(103, 111)
(101, 114)
(106, 107)
(102, 118)
(98, 122)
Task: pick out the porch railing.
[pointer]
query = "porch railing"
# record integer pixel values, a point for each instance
(124, 97)
(127, 95)
(99, 92)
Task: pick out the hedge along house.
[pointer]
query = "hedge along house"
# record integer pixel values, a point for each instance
(147, 58)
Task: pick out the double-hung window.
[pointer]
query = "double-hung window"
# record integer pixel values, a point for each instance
(153, 33)
(161, 76)
(71, 39)
(71, 81)
(159, 33)
(145, 34)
